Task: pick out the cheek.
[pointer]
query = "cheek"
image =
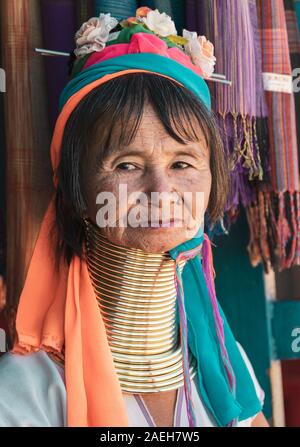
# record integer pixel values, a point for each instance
(98, 185)
(195, 182)
(113, 183)
(206, 182)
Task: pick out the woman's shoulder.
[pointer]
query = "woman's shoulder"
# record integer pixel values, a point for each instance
(32, 390)
(39, 363)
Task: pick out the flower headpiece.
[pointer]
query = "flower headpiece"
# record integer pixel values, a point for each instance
(99, 32)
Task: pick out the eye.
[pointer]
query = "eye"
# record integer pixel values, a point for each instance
(125, 166)
(180, 165)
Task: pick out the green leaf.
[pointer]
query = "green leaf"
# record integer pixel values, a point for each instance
(178, 40)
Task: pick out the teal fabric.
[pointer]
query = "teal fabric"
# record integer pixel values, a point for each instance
(117, 9)
(145, 61)
(203, 342)
(297, 8)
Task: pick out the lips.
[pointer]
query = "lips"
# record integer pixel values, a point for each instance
(163, 223)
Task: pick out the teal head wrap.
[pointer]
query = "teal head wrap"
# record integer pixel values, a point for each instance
(142, 61)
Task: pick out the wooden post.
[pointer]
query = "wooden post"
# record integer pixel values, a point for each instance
(278, 418)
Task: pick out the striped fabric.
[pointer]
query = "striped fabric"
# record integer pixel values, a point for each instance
(294, 47)
(297, 9)
(230, 25)
(119, 10)
(27, 134)
(84, 10)
(275, 218)
(2, 197)
(58, 26)
(243, 114)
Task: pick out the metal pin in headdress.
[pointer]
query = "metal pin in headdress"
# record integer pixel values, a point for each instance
(216, 77)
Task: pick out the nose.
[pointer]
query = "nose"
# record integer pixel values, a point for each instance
(157, 180)
(161, 192)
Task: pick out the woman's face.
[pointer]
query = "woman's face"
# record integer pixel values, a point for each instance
(153, 162)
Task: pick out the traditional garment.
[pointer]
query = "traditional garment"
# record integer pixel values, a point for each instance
(33, 394)
(58, 310)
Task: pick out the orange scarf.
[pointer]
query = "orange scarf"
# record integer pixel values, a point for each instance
(58, 307)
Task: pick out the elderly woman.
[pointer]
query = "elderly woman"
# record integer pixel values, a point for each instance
(118, 323)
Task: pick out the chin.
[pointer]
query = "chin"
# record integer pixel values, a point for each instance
(151, 240)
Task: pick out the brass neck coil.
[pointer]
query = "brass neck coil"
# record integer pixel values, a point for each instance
(136, 294)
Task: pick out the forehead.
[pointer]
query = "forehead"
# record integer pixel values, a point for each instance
(150, 137)
(151, 128)
(150, 121)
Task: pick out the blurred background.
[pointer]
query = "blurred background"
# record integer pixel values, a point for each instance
(257, 245)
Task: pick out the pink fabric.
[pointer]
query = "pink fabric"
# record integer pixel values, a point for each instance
(142, 43)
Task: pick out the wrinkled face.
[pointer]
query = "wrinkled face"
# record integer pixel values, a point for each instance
(119, 192)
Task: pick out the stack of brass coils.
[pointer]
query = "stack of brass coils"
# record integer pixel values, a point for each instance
(136, 293)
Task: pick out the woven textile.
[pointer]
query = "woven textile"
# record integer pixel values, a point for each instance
(277, 238)
(28, 169)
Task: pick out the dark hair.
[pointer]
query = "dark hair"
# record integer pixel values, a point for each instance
(109, 105)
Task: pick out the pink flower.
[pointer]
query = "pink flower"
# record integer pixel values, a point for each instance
(201, 52)
(93, 34)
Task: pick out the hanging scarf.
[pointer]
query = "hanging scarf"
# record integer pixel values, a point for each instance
(278, 205)
(57, 35)
(240, 108)
(84, 10)
(294, 47)
(297, 9)
(27, 171)
(58, 310)
(118, 9)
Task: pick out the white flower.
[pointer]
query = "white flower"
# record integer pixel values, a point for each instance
(93, 34)
(159, 23)
(201, 51)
